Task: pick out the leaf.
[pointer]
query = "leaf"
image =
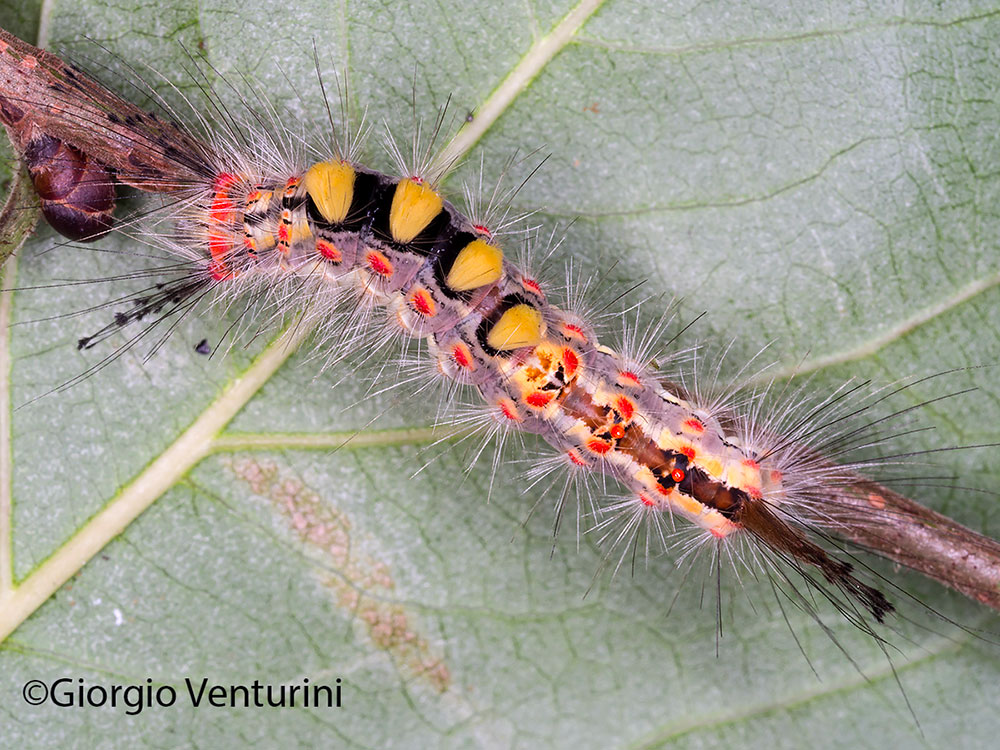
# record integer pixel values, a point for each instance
(825, 182)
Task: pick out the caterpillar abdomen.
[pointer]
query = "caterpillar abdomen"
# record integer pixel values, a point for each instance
(538, 368)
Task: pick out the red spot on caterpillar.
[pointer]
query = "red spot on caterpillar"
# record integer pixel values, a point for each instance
(417, 179)
(422, 302)
(625, 407)
(755, 493)
(379, 263)
(222, 210)
(219, 271)
(531, 285)
(572, 331)
(220, 244)
(617, 431)
(575, 459)
(328, 251)
(677, 475)
(538, 399)
(776, 476)
(290, 187)
(483, 231)
(285, 228)
(717, 533)
(462, 356)
(689, 452)
(570, 361)
(598, 446)
(694, 425)
(664, 490)
(509, 411)
(646, 501)
(750, 463)
(629, 377)
(224, 180)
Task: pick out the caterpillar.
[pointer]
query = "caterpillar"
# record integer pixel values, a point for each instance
(246, 471)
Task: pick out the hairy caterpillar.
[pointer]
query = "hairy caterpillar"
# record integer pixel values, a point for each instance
(622, 658)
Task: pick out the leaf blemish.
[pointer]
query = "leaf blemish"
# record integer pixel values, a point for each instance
(361, 584)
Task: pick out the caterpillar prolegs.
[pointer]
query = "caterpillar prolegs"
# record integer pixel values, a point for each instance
(503, 337)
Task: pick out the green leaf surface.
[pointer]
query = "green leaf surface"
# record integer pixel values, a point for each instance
(821, 179)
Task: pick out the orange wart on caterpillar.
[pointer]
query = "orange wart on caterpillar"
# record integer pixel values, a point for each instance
(767, 481)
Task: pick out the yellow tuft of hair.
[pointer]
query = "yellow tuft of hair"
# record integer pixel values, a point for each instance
(414, 205)
(521, 325)
(330, 184)
(477, 264)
